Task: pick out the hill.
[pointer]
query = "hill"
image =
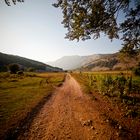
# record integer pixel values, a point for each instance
(95, 62)
(25, 63)
(68, 62)
(111, 62)
(73, 62)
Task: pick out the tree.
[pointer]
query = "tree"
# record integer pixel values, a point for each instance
(14, 68)
(86, 19)
(8, 2)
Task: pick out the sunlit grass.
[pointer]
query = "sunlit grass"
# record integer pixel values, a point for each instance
(98, 81)
(119, 88)
(20, 94)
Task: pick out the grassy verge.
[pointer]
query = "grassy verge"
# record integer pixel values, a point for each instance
(118, 87)
(19, 95)
(117, 96)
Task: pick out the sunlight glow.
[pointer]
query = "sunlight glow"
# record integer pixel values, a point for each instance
(34, 30)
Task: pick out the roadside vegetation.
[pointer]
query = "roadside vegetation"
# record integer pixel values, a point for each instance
(122, 87)
(118, 96)
(20, 94)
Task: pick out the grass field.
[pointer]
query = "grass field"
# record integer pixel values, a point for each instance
(19, 95)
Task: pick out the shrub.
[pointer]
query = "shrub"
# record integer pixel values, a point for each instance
(106, 85)
(3, 68)
(136, 71)
(13, 68)
(31, 69)
(20, 73)
(121, 83)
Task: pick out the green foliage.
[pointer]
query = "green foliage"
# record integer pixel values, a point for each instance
(129, 84)
(106, 85)
(136, 70)
(86, 19)
(90, 82)
(8, 2)
(114, 85)
(119, 85)
(136, 85)
(131, 31)
(14, 68)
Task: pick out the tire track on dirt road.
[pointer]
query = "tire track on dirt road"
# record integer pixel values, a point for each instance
(69, 114)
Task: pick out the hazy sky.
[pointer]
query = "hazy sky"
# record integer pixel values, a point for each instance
(33, 29)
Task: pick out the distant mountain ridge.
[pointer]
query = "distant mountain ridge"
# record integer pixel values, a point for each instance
(6, 59)
(73, 62)
(68, 62)
(93, 62)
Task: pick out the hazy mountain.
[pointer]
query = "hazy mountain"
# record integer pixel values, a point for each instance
(68, 62)
(94, 62)
(110, 62)
(73, 62)
(105, 62)
(25, 63)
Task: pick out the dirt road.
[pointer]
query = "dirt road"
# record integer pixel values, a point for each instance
(70, 114)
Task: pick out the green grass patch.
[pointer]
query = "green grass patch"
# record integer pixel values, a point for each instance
(20, 94)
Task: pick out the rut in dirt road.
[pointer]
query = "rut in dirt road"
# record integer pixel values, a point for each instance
(69, 115)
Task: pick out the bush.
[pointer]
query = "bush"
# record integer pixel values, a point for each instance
(31, 69)
(20, 73)
(121, 82)
(3, 68)
(136, 71)
(13, 68)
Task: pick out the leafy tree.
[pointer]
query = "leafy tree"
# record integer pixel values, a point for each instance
(8, 2)
(86, 19)
(14, 68)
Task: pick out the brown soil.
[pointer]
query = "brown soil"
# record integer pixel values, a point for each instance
(70, 114)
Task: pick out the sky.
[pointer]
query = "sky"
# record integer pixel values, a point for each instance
(33, 30)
